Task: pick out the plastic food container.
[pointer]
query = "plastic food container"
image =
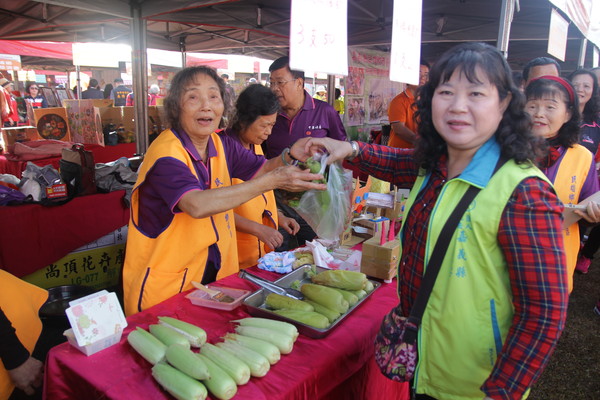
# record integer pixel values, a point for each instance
(200, 298)
(95, 347)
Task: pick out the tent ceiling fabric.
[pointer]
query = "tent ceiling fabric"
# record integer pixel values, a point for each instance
(244, 27)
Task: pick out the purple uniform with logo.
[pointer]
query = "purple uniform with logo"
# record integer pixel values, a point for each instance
(315, 119)
(169, 179)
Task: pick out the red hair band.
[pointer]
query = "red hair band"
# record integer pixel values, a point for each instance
(564, 83)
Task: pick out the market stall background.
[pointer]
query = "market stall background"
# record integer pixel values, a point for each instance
(262, 29)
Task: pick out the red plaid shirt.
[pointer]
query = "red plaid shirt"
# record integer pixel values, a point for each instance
(530, 235)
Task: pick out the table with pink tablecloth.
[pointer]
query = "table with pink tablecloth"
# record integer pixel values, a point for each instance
(339, 366)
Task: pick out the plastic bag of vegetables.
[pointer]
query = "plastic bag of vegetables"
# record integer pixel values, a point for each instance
(328, 212)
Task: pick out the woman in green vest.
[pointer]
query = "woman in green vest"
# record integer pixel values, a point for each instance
(498, 305)
(182, 227)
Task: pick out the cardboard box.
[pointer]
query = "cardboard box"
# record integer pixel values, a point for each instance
(16, 134)
(52, 123)
(380, 261)
(84, 120)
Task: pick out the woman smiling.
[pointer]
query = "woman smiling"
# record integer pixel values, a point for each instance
(182, 225)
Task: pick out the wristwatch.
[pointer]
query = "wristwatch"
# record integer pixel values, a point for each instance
(355, 150)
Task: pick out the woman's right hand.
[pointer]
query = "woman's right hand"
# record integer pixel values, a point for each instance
(306, 147)
(269, 236)
(293, 179)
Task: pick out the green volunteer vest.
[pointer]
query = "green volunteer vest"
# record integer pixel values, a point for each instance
(157, 268)
(470, 308)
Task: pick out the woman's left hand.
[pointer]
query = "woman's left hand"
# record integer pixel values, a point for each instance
(591, 214)
(290, 225)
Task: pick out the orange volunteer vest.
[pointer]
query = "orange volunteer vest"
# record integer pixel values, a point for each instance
(570, 177)
(262, 210)
(158, 268)
(21, 302)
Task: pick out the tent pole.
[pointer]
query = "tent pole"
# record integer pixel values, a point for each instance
(506, 17)
(582, 50)
(139, 60)
(78, 79)
(330, 89)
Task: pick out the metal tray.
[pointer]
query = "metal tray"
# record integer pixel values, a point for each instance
(255, 303)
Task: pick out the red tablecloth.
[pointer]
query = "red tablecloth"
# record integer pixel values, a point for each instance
(339, 366)
(101, 155)
(33, 236)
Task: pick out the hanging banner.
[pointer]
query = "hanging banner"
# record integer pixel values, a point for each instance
(319, 36)
(368, 91)
(585, 14)
(10, 62)
(557, 39)
(406, 41)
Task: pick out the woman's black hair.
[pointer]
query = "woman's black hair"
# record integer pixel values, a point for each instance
(30, 84)
(592, 107)
(256, 100)
(514, 131)
(107, 89)
(568, 134)
(181, 80)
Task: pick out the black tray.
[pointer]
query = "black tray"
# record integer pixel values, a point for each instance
(255, 303)
(59, 298)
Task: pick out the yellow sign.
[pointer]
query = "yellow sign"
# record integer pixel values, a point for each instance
(98, 268)
(97, 264)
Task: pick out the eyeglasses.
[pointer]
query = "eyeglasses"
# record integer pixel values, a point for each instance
(33, 88)
(274, 84)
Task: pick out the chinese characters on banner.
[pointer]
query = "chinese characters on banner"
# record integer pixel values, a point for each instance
(557, 39)
(406, 41)
(319, 43)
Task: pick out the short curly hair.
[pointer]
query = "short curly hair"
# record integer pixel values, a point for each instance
(256, 100)
(514, 131)
(181, 80)
(568, 134)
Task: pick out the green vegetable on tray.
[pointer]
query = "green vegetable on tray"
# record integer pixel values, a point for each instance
(325, 296)
(341, 279)
(279, 326)
(279, 302)
(306, 317)
(351, 298)
(327, 312)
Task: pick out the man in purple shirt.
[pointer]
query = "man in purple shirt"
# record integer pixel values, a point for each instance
(300, 116)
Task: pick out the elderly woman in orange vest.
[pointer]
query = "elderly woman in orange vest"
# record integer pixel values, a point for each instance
(256, 221)
(182, 227)
(20, 329)
(554, 108)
